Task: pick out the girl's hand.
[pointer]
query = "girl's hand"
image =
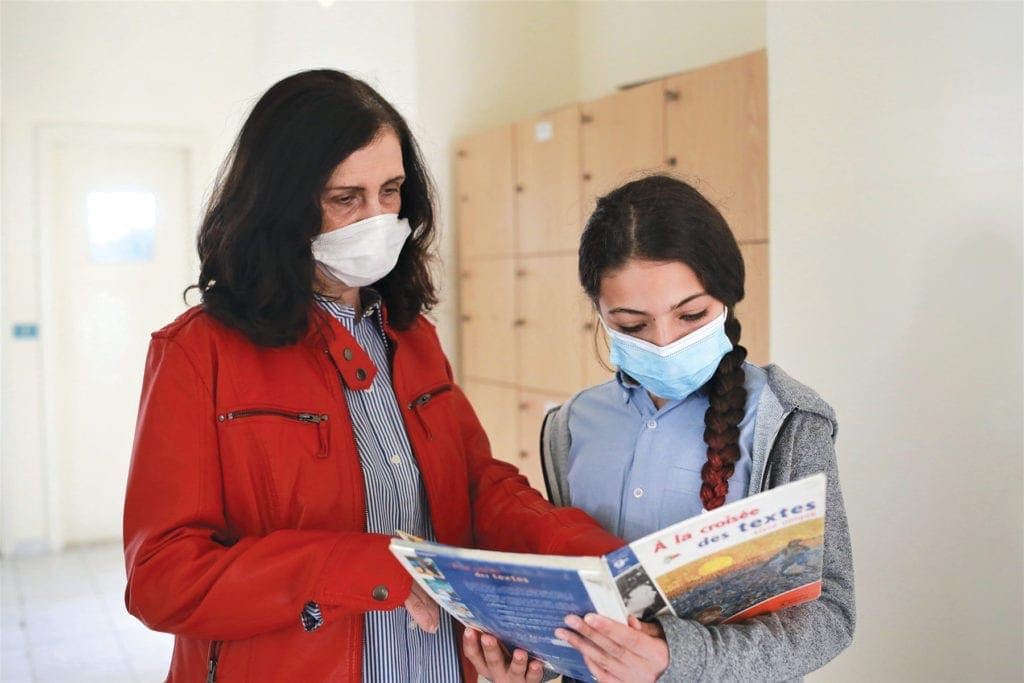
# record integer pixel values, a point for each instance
(422, 609)
(614, 652)
(485, 653)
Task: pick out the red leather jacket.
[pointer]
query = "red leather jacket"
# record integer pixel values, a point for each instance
(245, 497)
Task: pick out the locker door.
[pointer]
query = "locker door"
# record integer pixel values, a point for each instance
(623, 138)
(716, 132)
(752, 312)
(497, 407)
(487, 314)
(484, 182)
(548, 211)
(549, 324)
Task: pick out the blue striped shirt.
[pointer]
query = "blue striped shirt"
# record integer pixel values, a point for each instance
(394, 649)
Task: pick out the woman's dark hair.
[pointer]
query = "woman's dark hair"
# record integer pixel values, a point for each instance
(660, 218)
(257, 266)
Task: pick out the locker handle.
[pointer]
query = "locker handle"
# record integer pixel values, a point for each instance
(519, 322)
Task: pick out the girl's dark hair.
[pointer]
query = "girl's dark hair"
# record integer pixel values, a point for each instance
(256, 272)
(660, 218)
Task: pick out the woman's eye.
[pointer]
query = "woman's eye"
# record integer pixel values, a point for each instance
(344, 200)
(392, 190)
(693, 317)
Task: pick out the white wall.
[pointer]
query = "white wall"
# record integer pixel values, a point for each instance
(896, 209)
(193, 66)
(630, 42)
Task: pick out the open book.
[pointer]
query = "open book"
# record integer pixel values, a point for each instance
(757, 555)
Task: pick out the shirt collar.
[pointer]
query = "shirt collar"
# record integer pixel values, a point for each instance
(369, 300)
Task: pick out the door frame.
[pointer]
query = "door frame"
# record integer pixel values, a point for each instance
(48, 137)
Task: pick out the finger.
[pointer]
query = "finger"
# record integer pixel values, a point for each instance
(607, 652)
(520, 660)
(600, 674)
(535, 672)
(423, 610)
(493, 655)
(471, 648)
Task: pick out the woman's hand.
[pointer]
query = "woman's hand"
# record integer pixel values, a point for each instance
(486, 655)
(636, 651)
(422, 609)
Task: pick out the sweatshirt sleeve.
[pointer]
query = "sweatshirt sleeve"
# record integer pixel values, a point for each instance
(188, 573)
(790, 643)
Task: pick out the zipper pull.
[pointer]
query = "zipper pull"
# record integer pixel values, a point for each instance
(211, 668)
(312, 418)
(422, 400)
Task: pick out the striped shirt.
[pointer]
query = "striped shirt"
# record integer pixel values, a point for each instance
(394, 648)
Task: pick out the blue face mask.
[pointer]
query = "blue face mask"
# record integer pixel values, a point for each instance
(674, 371)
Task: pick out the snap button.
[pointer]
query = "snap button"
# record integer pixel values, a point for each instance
(360, 374)
(638, 492)
(347, 353)
(380, 593)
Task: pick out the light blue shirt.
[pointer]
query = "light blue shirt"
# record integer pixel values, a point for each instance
(636, 469)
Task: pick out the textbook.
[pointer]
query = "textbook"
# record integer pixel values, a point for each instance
(756, 555)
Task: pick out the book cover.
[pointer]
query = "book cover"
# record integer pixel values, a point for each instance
(757, 555)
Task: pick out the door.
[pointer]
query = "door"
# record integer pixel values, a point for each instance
(484, 205)
(623, 138)
(487, 314)
(548, 211)
(716, 137)
(117, 231)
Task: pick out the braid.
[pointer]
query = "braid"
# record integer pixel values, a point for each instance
(728, 398)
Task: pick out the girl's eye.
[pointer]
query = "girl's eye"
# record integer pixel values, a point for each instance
(631, 330)
(693, 317)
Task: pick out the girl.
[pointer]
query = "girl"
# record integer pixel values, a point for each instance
(686, 425)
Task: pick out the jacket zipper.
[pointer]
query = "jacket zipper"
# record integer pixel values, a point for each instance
(312, 418)
(318, 419)
(211, 667)
(424, 399)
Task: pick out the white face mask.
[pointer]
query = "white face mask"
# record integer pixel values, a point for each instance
(364, 252)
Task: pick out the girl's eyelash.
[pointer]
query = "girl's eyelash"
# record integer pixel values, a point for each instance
(631, 330)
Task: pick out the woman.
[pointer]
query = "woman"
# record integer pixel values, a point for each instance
(686, 425)
(296, 419)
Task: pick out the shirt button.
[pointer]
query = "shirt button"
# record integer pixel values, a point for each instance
(360, 374)
(652, 424)
(412, 625)
(638, 492)
(347, 353)
(396, 459)
(380, 593)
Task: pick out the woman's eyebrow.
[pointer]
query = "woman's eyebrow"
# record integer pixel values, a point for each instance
(361, 188)
(633, 311)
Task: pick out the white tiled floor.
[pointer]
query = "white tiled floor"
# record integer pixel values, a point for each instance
(64, 620)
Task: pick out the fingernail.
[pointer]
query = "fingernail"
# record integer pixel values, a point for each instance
(592, 619)
(573, 621)
(561, 634)
(518, 656)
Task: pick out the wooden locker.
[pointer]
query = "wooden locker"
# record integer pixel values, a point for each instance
(549, 322)
(716, 137)
(752, 312)
(532, 408)
(485, 206)
(548, 211)
(497, 407)
(622, 138)
(487, 319)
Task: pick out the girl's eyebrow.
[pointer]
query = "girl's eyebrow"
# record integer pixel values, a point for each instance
(623, 309)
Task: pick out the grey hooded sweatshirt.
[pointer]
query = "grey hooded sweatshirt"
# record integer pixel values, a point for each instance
(794, 437)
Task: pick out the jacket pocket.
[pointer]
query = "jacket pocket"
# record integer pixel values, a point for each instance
(419, 406)
(319, 420)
